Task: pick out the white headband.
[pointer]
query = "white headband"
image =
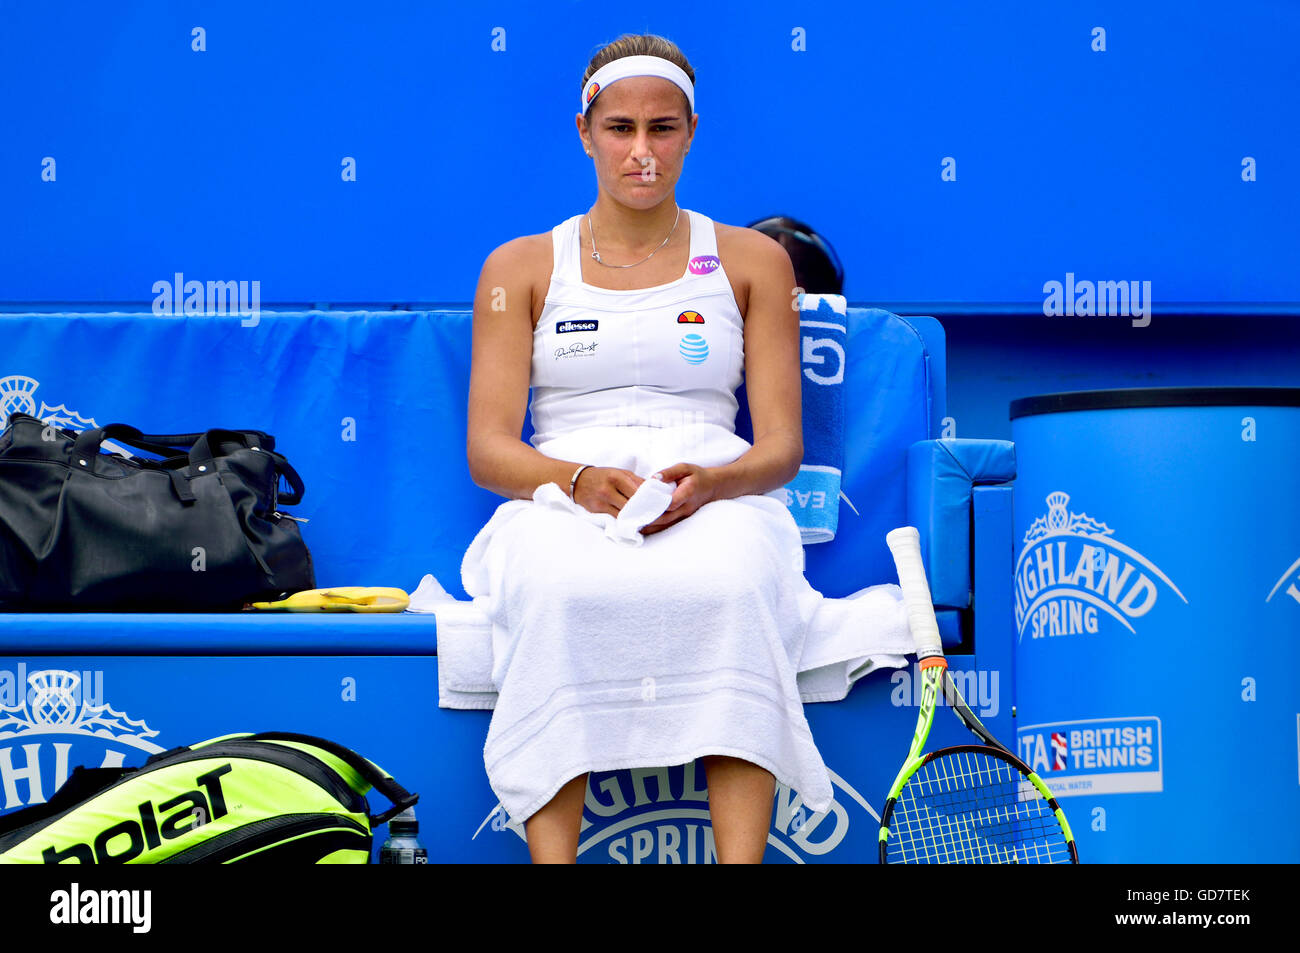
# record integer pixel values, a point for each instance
(626, 66)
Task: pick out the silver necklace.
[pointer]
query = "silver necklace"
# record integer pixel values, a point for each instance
(596, 255)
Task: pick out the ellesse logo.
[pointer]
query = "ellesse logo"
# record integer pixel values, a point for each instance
(564, 327)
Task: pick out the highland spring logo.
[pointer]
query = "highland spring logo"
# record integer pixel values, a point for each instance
(1290, 579)
(661, 815)
(16, 397)
(1072, 566)
(55, 725)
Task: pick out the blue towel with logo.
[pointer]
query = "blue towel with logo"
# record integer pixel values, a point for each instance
(814, 495)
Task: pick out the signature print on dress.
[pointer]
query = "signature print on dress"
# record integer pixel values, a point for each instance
(577, 349)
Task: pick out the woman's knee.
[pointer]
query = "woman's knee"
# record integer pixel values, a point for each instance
(730, 763)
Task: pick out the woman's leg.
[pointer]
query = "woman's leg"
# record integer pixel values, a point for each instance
(740, 807)
(552, 831)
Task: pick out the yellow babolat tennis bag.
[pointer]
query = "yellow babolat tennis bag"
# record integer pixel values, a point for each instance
(273, 797)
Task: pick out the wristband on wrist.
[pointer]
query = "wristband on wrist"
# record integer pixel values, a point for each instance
(573, 482)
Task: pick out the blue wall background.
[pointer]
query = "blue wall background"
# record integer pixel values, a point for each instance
(226, 164)
(992, 360)
(1117, 165)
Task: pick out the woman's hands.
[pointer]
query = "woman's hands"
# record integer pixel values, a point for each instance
(696, 486)
(605, 489)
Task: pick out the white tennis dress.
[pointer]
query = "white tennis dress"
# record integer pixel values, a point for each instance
(607, 655)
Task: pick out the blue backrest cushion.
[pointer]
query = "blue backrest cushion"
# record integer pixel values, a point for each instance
(370, 408)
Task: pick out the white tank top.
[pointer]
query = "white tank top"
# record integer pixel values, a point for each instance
(664, 356)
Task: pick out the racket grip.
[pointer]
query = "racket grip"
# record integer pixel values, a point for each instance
(905, 545)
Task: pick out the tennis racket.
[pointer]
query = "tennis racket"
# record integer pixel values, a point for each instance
(966, 804)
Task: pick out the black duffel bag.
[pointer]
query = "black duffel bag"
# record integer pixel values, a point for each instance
(199, 530)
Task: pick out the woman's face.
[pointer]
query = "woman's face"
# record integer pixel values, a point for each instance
(638, 134)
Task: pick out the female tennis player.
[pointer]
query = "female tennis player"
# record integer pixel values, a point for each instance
(633, 323)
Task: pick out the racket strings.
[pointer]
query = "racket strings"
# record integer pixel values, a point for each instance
(968, 807)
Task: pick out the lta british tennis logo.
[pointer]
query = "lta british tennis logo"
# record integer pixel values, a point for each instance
(53, 720)
(661, 816)
(1072, 568)
(1061, 750)
(1096, 756)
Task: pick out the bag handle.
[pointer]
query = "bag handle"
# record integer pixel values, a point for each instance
(383, 783)
(87, 442)
(165, 445)
(194, 447)
(286, 470)
(265, 440)
(85, 447)
(209, 444)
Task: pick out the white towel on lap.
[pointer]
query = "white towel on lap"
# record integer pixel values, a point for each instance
(644, 506)
(703, 639)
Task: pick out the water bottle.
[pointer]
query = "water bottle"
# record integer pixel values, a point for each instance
(403, 846)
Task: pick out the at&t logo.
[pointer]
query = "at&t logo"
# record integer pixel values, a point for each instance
(694, 348)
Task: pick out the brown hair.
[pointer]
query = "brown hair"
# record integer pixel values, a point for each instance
(644, 44)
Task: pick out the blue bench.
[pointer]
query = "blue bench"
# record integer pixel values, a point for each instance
(369, 406)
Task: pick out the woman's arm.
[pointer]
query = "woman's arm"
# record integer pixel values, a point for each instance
(772, 372)
(500, 374)
(772, 382)
(500, 370)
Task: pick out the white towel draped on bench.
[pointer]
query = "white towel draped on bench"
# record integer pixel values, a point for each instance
(704, 638)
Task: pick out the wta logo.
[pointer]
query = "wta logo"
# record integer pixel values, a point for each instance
(703, 265)
(1072, 568)
(1098, 756)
